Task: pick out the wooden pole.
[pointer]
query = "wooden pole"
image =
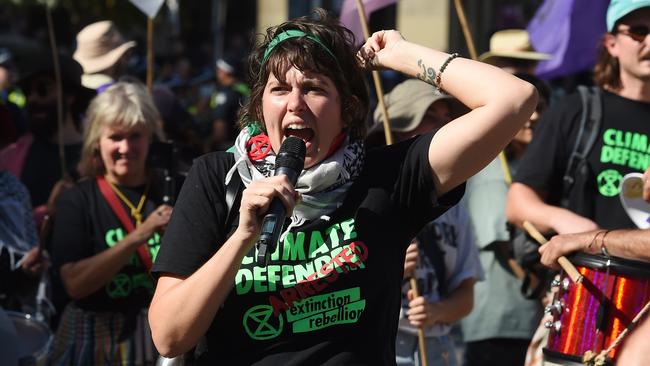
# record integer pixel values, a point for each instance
(375, 78)
(463, 24)
(149, 54)
(389, 140)
(421, 344)
(472, 52)
(566, 265)
(59, 90)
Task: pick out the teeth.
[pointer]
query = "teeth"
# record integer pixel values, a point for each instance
(296, 126)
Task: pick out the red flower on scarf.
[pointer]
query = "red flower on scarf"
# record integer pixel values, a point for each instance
(258, 147)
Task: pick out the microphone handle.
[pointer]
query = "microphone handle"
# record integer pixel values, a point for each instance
(273, 222)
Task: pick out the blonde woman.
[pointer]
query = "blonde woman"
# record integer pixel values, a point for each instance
(107, 232)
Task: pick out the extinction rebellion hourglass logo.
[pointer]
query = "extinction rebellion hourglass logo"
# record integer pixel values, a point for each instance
(297, 280)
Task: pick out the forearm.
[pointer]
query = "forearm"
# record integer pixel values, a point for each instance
(475, 84)
(458, 305)
(88, 275)
(500, 104)
(631, 244)
(525, 204)
(183, 309)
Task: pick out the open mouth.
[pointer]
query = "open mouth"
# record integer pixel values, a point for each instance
(300, 131)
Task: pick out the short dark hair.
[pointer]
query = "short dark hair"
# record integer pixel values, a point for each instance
(307, 55)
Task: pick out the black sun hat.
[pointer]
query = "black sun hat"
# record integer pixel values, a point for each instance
(71, 71)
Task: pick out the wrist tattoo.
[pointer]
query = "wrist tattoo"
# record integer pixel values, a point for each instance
(428, 73)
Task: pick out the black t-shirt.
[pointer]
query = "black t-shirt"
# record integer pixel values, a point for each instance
(85, 225)
(622, 147)
(331, 291)
(42, 168)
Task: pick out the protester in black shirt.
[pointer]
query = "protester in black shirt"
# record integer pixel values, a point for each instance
(225, 102)
(331, 291)
(621, 147)
(107, 231)
(36, 158)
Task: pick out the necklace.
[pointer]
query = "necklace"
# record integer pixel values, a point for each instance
(136, 212)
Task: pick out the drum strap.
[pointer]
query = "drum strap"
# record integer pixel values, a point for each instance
(119, 211)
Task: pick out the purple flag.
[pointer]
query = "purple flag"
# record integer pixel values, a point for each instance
(570, 31)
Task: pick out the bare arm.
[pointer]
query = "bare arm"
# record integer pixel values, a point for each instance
(635, 348)
(88, 275)
(182, 309)
(526, 204)
(632, 244)
(500, 103)
(447, 311)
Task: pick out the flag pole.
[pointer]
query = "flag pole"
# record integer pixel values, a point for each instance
(149, 54)
(389, 141)
(422, 346)
(472, 52)
(463, 24)
(375, 78)
(59, 90)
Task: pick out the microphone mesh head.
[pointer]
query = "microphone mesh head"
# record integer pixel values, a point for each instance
(292, 154)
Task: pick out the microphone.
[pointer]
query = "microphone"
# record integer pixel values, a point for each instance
(290, 161)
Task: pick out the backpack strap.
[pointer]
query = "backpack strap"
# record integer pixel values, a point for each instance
(590, 122)
(233, 192)
(233, 189)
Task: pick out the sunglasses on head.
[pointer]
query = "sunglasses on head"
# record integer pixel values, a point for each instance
(636, 32)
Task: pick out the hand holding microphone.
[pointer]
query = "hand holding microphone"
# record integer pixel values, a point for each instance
(289, 162)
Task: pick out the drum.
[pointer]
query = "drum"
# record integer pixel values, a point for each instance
(590, 315)
(34, 339)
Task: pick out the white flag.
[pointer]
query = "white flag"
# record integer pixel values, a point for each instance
(350, 15)
(149, 7)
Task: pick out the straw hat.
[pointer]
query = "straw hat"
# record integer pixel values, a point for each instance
(99, 46)
(512, 43)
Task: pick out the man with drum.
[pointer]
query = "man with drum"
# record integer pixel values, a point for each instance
(591, 206)
(624, 243)
(623, 78)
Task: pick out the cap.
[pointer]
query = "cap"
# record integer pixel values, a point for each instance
(619, 8)
(407, 104)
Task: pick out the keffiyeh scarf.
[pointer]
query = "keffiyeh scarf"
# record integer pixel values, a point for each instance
(323, 186)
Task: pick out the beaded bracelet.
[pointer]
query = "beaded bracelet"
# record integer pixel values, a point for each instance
(438, 83)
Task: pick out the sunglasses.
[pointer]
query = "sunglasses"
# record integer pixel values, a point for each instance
(636, 32)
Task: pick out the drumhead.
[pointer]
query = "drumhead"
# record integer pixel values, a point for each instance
(34, 335)
(618, 265)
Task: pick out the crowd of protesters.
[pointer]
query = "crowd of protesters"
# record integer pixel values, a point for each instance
(90, 169)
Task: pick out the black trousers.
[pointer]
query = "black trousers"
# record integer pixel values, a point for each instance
(496, 352)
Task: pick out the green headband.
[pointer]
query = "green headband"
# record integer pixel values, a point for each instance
(293, 33)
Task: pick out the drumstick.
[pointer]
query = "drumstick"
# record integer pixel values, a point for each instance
(566, 265)
(421, 344)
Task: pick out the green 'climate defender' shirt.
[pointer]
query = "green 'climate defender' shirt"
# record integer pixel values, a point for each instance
(331, 292)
